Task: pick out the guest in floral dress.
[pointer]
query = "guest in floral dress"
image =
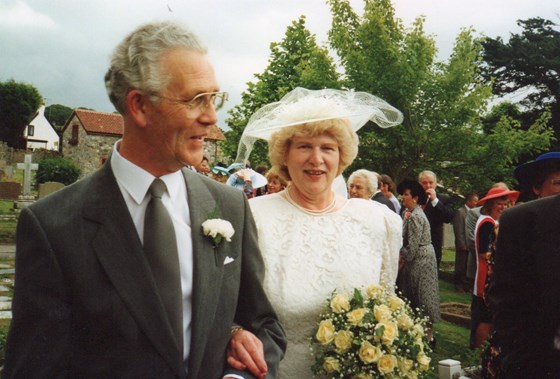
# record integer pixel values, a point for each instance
(418, 277)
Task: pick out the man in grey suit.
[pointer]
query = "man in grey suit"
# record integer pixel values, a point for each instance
(461, 251)
(88, 302)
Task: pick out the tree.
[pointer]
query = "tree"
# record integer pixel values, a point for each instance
(528, 64)
(19, 103)
(57, 169)
(295, 61)
(57, 114)
(442, 102)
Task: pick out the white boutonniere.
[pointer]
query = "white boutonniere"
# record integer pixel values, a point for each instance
(218, 229)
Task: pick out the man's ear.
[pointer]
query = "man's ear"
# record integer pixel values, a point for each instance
(136, 103)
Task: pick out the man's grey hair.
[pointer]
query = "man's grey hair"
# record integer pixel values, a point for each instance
(427, 173)
(135, 63)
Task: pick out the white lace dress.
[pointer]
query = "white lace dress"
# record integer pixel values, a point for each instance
(308, 256)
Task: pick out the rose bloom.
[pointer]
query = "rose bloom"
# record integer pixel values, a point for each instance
(423, 360)
(374, 291)
(389, 333)
(361, 376)
(343, 340)
(405, 365)
(395, 302)
(418, 330)
(355, 317)
(387, 363)
(331, 364)
(381, 312)
(369, 353)
(216, 226)
(325, 333)
(404, 321)
(340, 303)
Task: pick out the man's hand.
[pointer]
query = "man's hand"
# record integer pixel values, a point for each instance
(245, 352)
(431, 194)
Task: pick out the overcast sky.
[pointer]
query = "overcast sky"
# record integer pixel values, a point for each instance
(62, 47)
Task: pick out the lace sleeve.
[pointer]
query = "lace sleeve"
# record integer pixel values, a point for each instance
(393, 244)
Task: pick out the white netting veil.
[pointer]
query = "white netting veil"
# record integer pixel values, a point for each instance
(302, 106)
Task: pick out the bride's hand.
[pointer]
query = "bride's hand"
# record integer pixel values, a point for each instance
(245, 352)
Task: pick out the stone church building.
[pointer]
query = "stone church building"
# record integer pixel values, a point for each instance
(89, 136)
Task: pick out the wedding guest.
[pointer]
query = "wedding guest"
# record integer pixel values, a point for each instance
(379, 196)
(314, 240)
(418, 277)
(541, 177)
(525, 292)
(203, 167)
(461, 250)
(486, 231)
(437, 208)
(388, 188)
(115, 278)
(361, 184)
(262, 170)
(275, 182)
(470, 225)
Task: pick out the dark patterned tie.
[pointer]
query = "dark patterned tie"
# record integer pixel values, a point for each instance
(160, 247)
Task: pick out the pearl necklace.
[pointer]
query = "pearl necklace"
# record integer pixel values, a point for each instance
(328, 209)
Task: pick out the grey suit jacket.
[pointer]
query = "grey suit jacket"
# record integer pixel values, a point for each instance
(86, 304)
(459, 228)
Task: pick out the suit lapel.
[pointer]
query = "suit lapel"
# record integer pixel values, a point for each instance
(206, 273)
(121, 254)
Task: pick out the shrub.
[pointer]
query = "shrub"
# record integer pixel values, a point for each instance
(57, 169)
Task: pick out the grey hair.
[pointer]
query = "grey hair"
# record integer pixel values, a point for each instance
(370, 178)
(427, 173)
(135, 63)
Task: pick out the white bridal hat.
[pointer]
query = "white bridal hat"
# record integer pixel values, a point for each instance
(302, 106)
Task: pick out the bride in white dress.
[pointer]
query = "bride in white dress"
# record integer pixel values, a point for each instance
(314, 241)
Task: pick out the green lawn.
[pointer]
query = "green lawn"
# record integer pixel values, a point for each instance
(452, 339)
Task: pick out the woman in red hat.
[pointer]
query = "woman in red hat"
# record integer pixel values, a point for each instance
(486, 232)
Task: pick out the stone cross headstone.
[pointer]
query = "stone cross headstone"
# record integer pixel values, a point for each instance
(27, 167)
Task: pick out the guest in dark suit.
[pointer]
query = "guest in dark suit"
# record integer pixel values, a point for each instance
(438, 210)
(525, 293)
(88, 302)
(380, 197)
(461, 250)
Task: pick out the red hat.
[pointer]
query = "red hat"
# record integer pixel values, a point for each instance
(499, 192)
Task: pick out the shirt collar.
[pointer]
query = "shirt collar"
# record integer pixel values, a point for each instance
(136, 181)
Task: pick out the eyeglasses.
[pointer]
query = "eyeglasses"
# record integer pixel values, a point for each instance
(200, 101)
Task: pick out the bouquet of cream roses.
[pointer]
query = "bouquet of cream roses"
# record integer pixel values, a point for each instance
(368, 334)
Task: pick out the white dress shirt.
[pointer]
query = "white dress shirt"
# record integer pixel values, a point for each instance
(134, 182)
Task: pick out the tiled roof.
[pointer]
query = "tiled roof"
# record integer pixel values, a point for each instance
(112, 123)
(100, 123)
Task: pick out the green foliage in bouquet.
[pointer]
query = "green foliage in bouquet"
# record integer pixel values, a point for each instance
(371, 333)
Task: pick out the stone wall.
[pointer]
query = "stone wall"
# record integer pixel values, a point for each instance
(10, 156)
(89, 151)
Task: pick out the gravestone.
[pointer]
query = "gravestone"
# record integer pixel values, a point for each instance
(9, 172)
(10, 190)
(49, 187)
(27, 166)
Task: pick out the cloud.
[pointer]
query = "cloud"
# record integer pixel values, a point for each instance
(18, 15)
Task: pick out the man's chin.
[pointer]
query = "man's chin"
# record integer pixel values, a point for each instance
(190, 160)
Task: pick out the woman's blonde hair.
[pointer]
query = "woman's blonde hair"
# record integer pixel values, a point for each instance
(339, 129)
